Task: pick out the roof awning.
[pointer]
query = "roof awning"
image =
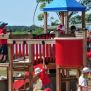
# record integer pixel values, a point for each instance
(64, 5)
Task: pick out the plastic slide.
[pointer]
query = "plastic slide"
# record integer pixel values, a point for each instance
(20, 83)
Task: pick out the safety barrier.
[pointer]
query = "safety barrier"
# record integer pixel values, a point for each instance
(38, 50)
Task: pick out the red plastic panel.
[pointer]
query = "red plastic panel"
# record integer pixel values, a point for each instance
(69, 53)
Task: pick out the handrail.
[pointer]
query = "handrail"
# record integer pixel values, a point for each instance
(31, 41)
(4, 36)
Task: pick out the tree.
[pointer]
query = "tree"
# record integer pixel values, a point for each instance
(41, 16)
(43, 3)
(88, 18)
(86, 3)
(75, 20)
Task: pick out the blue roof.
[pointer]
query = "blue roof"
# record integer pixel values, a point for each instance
(64, 5)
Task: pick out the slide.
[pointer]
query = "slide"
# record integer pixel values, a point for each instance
(20, 83)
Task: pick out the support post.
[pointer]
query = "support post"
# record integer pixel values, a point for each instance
(85, 47)
(66, 22)
(67, 82)
(62, 15)
(10, 70)
(45, 22)
(85, 39)
(83, 20)
(58, 79)
(30, 68)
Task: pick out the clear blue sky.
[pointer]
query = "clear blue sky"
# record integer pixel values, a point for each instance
(17, 12)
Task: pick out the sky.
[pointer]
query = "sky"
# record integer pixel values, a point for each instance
(20, 12)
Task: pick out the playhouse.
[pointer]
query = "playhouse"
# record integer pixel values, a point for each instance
(47, 52)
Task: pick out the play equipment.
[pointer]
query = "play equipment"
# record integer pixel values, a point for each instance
(64, 61)
(69, 52)
(69, 55)
(39, 72)
(24, 66)
(43, 49)
(35, 57)
(38, 50)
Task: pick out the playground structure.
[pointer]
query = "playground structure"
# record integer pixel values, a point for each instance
(35, 51)
(26, 52)
(38, 51)
(65, 7)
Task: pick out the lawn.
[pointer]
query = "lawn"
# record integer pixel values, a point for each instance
(3, 71)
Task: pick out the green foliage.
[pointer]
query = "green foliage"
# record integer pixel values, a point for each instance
(38, 31)
(20, 32)
(41, 16)
(86, 3)
(18, 28)
(25, 29)
(42, 1)
(52, 18)
(42, 5)
(77, 19)
(88, 18)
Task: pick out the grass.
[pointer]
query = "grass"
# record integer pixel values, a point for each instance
(20, 32)
(3, 71)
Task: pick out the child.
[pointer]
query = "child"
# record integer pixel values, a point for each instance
(73, 29)
(83, 79)
(3, 43)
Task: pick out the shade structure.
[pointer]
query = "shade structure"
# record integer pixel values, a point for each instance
(64, 5)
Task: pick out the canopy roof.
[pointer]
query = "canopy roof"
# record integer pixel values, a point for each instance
(64, 5)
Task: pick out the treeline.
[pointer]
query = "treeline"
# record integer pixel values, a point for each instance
(18, 28)
(25, 29)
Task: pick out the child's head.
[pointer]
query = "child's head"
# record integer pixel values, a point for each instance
(3, 25)
(86, 71)
(73, 29)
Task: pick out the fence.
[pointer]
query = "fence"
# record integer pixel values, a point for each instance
(38, 50)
